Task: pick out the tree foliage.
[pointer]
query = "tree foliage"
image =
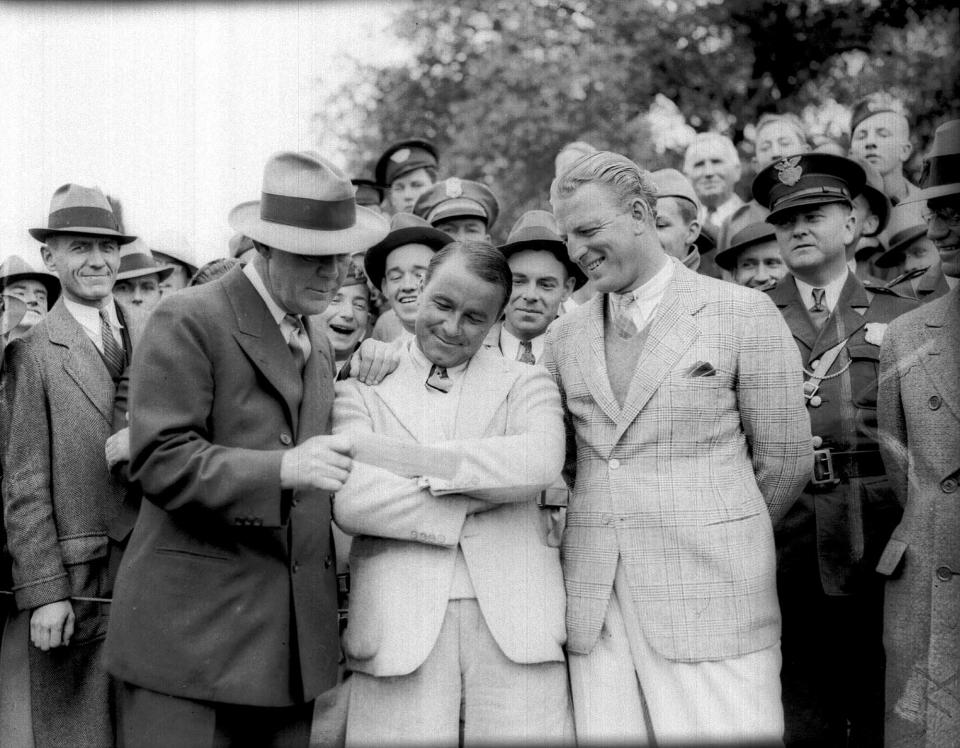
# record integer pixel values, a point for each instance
(501, 86)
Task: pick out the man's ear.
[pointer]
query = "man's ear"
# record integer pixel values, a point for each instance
(905, 150)
(693, 231)
(47, 256)
(567, 289)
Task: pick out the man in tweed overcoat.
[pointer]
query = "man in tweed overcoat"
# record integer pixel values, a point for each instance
(687, 437)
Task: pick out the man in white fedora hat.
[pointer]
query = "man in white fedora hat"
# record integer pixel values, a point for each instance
(172, 248)
(224, 625)
(59, 496)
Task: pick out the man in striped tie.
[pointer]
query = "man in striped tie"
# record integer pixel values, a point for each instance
(59, 497)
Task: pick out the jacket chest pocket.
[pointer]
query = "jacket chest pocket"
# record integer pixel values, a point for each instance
(864, 373)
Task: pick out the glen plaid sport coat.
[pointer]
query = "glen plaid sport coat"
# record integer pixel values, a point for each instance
(509, 437)
(227, 591)
(919, 414)
(684, 481)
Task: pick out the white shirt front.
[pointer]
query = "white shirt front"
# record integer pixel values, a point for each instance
(647, 297)
(831, 291)
(89, 319)
(510, 345)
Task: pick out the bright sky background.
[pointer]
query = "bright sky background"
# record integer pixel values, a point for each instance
(172, 107)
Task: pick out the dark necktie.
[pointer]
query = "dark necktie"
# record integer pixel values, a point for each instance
(112, 350)
(525, 353)
(819, 311)
(439, 380)
(298, 341)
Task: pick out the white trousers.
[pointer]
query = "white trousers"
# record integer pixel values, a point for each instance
(501, 701)
(733, 701)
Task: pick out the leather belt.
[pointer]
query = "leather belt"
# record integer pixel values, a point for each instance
(831, 467)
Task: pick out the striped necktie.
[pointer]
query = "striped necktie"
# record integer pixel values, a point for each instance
(113, 353)
(298, 343)
(525, 352)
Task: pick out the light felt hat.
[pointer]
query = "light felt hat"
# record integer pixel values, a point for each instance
(15, 268)
(12, 310)
(136, 261)
(172, 246)
(307, 207)
(537, 230)
(81, 210)
(941, 166)
(907, 224)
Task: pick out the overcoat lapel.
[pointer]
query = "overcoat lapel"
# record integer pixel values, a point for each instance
(592, 359)
(672, 331)
(941, 350)
(851, 307)
(787, 298)
(260, 338)
(81, 359)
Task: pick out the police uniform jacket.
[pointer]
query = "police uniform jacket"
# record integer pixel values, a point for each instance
(853, 517)
(919, 406)
(227, 590)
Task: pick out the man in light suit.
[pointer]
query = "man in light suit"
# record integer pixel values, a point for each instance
(225, 613)
(687, 438)
(59, 496)
(456, 608)
(919, 415)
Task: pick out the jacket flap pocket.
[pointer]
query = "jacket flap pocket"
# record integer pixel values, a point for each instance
(83, 549)
(891, 557)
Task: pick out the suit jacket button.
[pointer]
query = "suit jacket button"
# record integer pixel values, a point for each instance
(944, 573)
(296, 567)
(614, 463)
(327, 562)
(949, 485)
(294, 501)
(817, 442)
(286, 439)
(934, 402)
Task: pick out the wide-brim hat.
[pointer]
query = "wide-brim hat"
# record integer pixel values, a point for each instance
(137, 261)
(458, 198)
(403, 157)
(706, 241)
(749, 236)
(171, 246)
(405, 228)
(307, 207)
(537, 230)
(12, 310)
(941, 166)
(81, 210)
(15, 268)
(907, 224)
(880, 204)
(239, 244)
(807, 179)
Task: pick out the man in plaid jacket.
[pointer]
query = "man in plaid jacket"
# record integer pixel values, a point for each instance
(687, 439)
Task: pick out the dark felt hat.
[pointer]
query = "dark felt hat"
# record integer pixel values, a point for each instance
(749, 236)
(537, 230)
(941, 166)
(805, 180)
(405, 228)
(873, 190)
(137, 261)
(906, 226)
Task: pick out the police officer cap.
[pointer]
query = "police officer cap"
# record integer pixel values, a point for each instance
(875, 103)
(369, 193)
(805, 180)
(458, 198)
(537, 230)
(748, 236)
(403, 157)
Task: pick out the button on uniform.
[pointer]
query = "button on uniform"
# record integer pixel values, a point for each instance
(614, 464)
(296, 566)
(944, 574)
(949, 485)
(934, 402)
(286, 439)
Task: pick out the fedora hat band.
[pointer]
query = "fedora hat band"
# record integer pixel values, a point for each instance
(89, 217)
(940, 170)
(306, 213)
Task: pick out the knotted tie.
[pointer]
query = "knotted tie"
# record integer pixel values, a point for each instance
(298, 343)
(622, 320)
(439, 380)
(819, 311)
(112, 351)
(525, 352)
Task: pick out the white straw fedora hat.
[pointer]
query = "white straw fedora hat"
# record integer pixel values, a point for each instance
(307, 207)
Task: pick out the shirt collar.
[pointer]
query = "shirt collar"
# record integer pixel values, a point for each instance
(648, 295)
(276, 311)
(831, 291)
(89, 316)
(425, 364)
(510, 344)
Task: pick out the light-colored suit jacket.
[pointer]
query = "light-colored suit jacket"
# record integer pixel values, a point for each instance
(683, 481)
(919, 414)
(509, 438)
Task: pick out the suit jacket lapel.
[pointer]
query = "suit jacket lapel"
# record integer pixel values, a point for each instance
(395, 393)
(672, 331)
(851, 307)
(787, 298)
(592, 359)
(81, 359)
(260, 338)
(318, 386)
(486, 382)
(940, 351)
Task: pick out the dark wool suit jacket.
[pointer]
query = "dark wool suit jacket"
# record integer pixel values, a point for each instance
(59, 500)
(227, 591)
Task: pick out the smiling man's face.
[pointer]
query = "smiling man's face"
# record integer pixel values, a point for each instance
(540, 284)
(86, 265)
(404, 268)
